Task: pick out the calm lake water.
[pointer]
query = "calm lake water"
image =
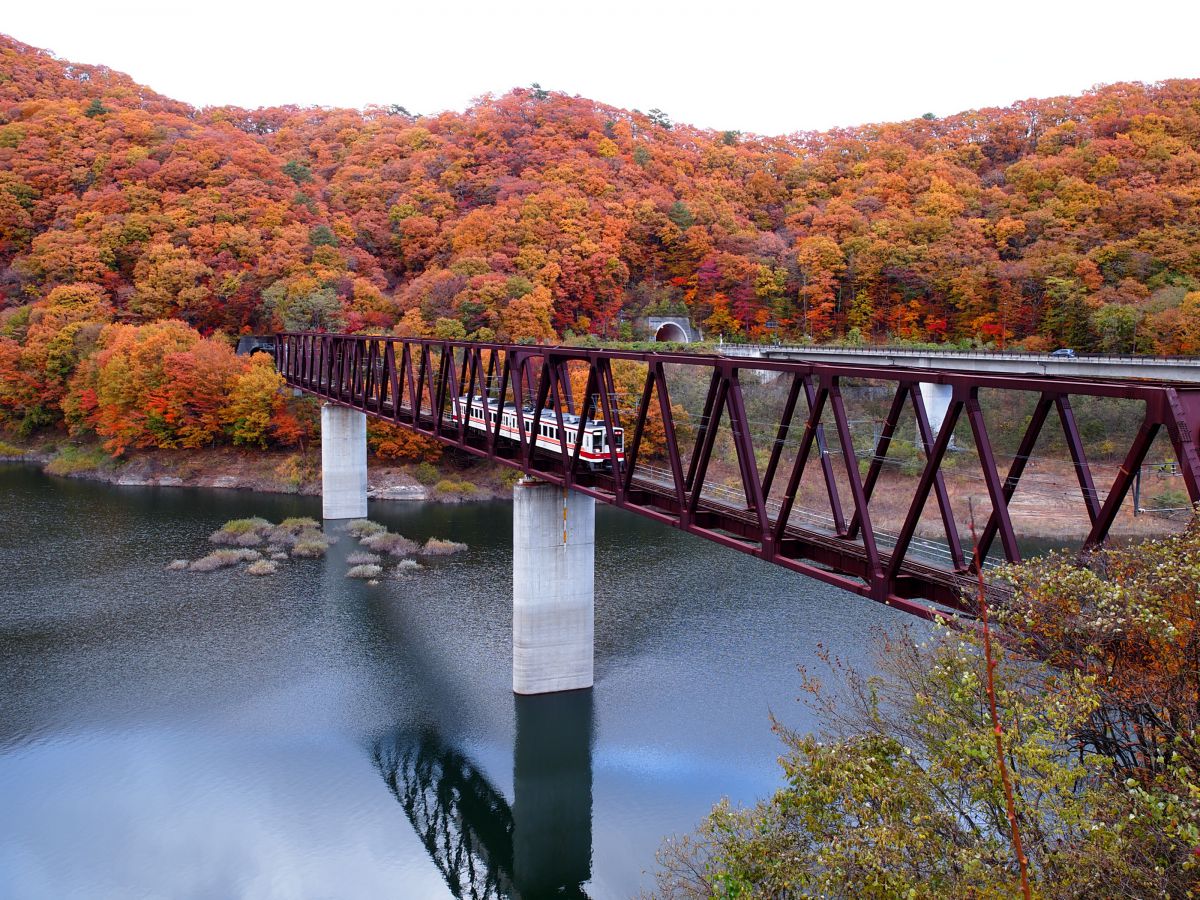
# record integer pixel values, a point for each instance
(305, 735)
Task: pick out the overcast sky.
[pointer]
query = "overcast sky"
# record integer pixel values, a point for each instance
(770, 68)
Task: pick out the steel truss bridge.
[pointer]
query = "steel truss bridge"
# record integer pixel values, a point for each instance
(419, 384)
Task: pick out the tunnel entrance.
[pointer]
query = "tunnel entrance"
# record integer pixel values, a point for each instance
(669, 331)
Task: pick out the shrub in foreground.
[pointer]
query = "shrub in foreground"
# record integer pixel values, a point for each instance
(364, 571)
(902, 795)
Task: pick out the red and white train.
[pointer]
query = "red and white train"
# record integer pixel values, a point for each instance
(595, 452)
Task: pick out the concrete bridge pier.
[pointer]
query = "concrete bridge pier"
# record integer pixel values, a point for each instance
(343, 462)
(936, 398)
(554, 542)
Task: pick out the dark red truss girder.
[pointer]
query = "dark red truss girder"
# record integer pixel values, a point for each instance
(417, 383)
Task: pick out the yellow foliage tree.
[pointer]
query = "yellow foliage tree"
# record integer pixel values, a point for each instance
(254, 401)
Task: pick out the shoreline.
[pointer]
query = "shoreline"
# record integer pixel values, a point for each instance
(449, 481)
(263, 472)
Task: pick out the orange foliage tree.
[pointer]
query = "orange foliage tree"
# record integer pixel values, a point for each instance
(390, 442)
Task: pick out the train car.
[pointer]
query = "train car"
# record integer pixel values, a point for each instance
(595, 452)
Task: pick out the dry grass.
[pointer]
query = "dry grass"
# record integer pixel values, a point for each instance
(439, 547)
(262, 567)
(241, 532)
(391, 544)
(296, 524)
(290, 530)
(407, 566)
(310, 545)
(177, 565)
(73, 460)
(223, 559)
(364, 528)
(359, 558)
(367, 571)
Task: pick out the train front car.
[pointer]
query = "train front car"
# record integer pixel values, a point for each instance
(595, 451)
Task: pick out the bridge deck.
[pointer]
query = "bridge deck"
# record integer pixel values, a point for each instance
(1183, 370)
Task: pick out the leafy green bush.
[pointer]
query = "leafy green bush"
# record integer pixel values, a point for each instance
(427, 473)
(1171, 498)
(454, 488)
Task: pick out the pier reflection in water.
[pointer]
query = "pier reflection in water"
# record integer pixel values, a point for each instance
(541, 846)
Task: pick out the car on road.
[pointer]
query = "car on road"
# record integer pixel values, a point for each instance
(1064, 353)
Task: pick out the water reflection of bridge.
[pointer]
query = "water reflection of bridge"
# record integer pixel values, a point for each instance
(541, 845)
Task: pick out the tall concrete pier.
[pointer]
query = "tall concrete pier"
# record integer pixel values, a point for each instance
(936, 399)
(554, 540)
(343, 462)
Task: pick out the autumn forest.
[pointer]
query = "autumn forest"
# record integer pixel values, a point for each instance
(140, 236)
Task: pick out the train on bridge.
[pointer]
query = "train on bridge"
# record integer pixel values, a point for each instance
(595, 453)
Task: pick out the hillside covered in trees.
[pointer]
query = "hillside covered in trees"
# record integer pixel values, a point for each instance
(534, 216)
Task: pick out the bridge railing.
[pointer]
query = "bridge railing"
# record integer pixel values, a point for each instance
(754, 350)
(661, 468)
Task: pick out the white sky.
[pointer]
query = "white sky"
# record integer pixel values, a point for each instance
(755, 66)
